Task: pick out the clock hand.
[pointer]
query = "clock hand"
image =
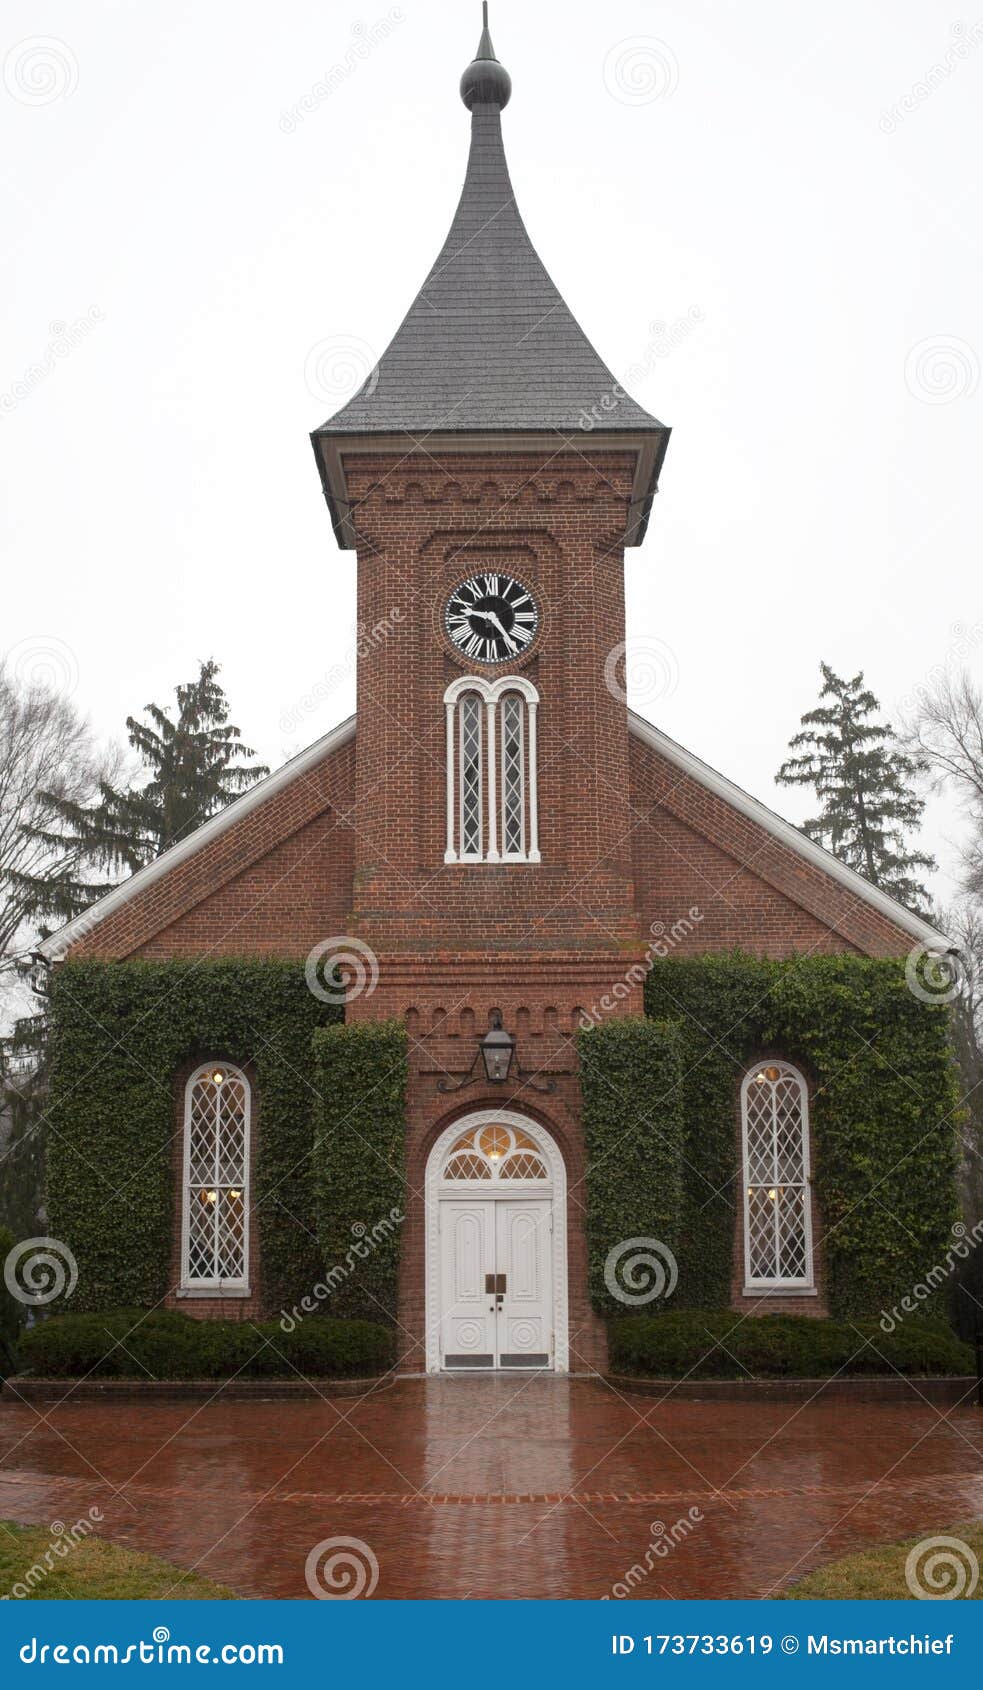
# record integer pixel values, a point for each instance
(490, 616)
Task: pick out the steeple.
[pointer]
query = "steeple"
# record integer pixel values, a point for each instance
(489, 346)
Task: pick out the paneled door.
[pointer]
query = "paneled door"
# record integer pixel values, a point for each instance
(496, 1291)
(523, 1255)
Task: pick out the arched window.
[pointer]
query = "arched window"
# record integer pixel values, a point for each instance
(492, 798)
(215, 1229)
(777, 1217)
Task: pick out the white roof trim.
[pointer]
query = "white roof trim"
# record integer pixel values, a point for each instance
(54, 947)
(786, 834)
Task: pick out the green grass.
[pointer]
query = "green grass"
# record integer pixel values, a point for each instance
(876, 1575)
(91, 1570)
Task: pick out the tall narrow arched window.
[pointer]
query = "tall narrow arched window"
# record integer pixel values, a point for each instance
(470, 735)
(512, 738)
(777, 1208)
(492, 799)
(215, 1225)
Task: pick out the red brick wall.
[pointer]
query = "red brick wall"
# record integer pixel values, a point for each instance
(693, 850)
(554, 520)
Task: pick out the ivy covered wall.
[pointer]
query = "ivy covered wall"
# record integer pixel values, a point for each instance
(884, 1115)
(120, 1032)
(359, 1165)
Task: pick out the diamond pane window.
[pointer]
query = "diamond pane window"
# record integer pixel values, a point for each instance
(512, 734)
(469, 713)
(215, 1239)
(777, 1223)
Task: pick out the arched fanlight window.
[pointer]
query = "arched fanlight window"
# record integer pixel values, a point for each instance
(495, 1152)
(215, 1229)
(777, 1217)
(492, 800)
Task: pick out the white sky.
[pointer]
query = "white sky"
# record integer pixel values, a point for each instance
(821, 492)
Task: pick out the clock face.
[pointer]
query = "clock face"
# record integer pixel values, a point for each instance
(491, 617)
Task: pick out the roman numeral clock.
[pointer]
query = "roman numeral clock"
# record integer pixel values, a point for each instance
(491, 617)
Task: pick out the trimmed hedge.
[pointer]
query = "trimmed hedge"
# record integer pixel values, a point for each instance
(130, 1344)
(633, 1130)
(120, 1032)
(883, 1118)
(721, 1344)
(359, 1164)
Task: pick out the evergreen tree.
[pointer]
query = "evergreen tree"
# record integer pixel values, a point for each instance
(194, 767)
(864, 784)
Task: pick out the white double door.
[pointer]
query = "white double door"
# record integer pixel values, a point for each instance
(496, 1283)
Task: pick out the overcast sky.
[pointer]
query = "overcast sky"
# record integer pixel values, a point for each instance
(766, 217)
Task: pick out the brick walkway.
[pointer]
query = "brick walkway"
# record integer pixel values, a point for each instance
(480, 1487)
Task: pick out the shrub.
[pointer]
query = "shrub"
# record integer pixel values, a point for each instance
(722, 1344)
(165, 1344)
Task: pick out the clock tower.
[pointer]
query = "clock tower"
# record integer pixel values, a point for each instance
(489, 475)
(491, 813)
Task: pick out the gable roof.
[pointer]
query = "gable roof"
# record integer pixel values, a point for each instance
(57, 944)
(55, 947)
(786, 834)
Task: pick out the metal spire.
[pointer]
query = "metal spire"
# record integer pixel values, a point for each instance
(486, 82)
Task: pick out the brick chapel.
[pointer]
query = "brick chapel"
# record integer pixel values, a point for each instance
(495, 842)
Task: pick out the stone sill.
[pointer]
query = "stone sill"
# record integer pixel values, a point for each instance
(762, 1292)
(943, 1388)
(186, 1390)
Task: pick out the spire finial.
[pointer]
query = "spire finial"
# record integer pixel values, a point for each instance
(486, 82)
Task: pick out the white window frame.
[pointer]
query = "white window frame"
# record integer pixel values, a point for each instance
(492, 693)
(239, 1287)
(804, 1286)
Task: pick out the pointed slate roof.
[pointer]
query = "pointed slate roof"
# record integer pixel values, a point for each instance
(489, 345)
